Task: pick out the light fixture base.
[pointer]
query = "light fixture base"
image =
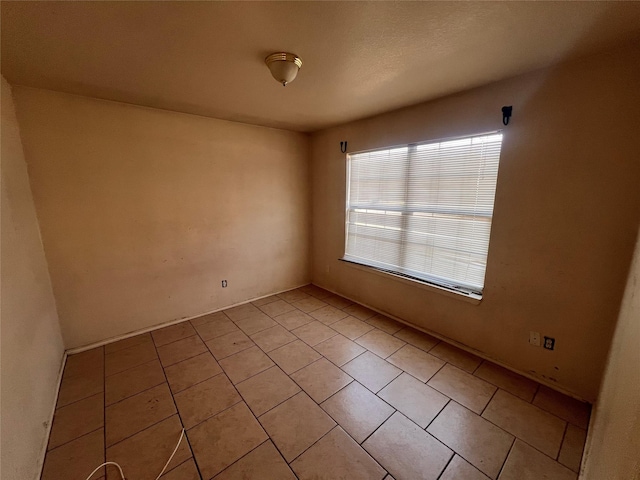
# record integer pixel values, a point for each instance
(284, 66)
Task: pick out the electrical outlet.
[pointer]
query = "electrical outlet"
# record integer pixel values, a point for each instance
(549, 343)
(224, 284)
(534, 338)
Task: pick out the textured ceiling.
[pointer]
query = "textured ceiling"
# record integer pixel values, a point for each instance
(360, 58)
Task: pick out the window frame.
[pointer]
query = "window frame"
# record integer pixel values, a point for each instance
(441, 284)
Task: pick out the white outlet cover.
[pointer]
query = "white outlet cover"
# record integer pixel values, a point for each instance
(534, 338)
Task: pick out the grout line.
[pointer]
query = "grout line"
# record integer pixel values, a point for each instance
(490, 399)
(74, 439)
(478, 368)
(175, 405)
(564, 434)
(507, 457)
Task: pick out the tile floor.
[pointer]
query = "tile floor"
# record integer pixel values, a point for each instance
(306, 385)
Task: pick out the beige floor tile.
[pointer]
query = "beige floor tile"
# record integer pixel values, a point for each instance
(371, 371)
(264, 391)
(339, 349)
(228, 344)
(456, 356)
(241, 311)
(293, 319)
(315, 291)
(221, 440)
(337, 301)
(255, 323)
(76, 419)
(463, 387)
(296, 424)
(348, 460)
(181, 350)
(273, 337)
(143, 455)
(321, 379)
(416, 362)
(208, 318)
(214, 326)
(414, 399)
(357, 410)
(563, 406)
(527, 422)
(309, 304)
(458, 469)
(359, 311)
(417, 338)
(88, 362)
(172, 333)
(129, 357)
(294, 356)
(351, 327)
(75, 459)
(384, 323)
(526, 463)
(184, 374)
(133, 381)
(245, 364)
(276, 308)
(380, 343)
(328, 315)
(265, 300)
(507, 380)
(127, 342)
(185, 471)
(77, 387)
(205, 399)
(313, 333)
(264, 463)
(572, 447)
(478, 441)
(130, 416)
(406, 451)
(293, 295)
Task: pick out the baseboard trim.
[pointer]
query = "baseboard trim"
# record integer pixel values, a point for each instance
(464, 347)
(100, 343)
(43, 452)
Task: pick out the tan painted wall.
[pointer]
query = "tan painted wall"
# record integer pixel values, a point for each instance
(566, 212)
(31, 344)
(613, 447)
(143, 212)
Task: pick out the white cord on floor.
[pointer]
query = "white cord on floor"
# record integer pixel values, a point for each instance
(120, 468)
(171, 457)
(105, 464)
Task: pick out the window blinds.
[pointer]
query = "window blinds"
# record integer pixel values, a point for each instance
(424, 210)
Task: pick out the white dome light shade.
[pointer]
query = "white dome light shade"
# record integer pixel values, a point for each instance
(283, 66)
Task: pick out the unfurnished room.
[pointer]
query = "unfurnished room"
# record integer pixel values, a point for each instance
(369, 240)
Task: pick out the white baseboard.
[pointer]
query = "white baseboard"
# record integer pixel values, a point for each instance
(100, 343)
(464, 347)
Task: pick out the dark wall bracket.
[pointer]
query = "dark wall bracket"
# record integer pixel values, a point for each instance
(343, 147)
(506, 114)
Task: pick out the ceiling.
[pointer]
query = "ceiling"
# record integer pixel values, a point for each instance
(360, 58)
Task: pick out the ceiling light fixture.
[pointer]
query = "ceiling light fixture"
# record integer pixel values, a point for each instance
(283, 66)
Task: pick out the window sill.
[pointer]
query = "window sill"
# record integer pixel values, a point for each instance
(465, 297)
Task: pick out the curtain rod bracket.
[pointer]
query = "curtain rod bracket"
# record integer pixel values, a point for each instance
(506, 114)
(343, 146)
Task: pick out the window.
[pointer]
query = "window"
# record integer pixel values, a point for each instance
(424, 210)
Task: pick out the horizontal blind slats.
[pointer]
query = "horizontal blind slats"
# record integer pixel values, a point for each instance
(425, 210)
